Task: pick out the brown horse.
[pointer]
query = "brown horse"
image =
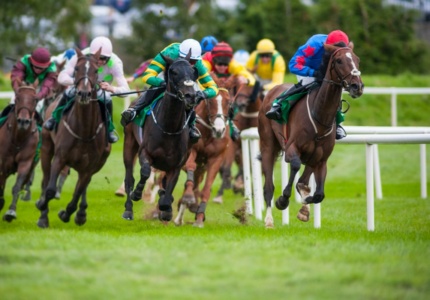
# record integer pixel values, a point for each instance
(19, 137)
(310, 132)
(247, 101)
(80, 143)
(165, 137)
(208, 153)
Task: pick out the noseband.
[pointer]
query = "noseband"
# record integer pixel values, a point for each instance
(342, 79)
(86, 77)
(30, 111)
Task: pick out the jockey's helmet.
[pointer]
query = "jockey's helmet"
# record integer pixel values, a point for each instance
(207, 43)
(222, 53)
(101, 42)
(194, 46)
(40, 57)
(265, 46)
(337, 36)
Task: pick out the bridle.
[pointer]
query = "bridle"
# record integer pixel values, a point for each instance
(342, 82)
(178, 94)
(30, 111)
(86, 77)
(223, 117)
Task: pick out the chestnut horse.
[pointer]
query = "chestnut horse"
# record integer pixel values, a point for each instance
(19, 137)
(247, 100)
(208, 153)
(310, 131)
(165, 139)
(80, 143)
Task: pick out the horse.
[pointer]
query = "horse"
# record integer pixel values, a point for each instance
(310, 131)
(19, 136)
(247, 100)
(208, 153)
(165, 140)
(80, 143)
(41, 107)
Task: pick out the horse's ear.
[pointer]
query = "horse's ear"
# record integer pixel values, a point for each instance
(351, 45)
(330, 48)
(78, 52)
(167, 59)
(61, 65)
(188, 55)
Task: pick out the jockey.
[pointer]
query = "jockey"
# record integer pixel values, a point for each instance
(207, 43)
(64, 56)
(267, 64)
(241, 56)
(220, 61)
(139, 71)
(158, 65)
(306, 64)
(110, 68)
(38, 65)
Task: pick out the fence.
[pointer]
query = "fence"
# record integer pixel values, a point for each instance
(371, 137)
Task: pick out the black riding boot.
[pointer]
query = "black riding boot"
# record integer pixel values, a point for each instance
(50, 124)
(6, 110)
(111, 136)
(235, 132)
(275, 112)
(194, 132)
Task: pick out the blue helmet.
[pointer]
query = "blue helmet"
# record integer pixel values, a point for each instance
(207, 43)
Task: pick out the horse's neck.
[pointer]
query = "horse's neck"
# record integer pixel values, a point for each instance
(88, 116)
(326, 102)
(172, 112)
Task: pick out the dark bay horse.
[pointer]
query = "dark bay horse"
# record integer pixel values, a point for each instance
(19, 137)
(80, 143)
(247, 101)
(165, 138)
(208, 153)
(310, 131)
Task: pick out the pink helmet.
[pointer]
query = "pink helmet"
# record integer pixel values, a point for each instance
(337, 36)
(40, 57)
(101, 42)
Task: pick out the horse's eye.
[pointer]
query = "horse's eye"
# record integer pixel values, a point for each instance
(339, 61)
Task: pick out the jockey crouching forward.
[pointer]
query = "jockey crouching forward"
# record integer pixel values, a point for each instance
(220, 61)
(158, 65)
(110, 68)
(38, 66)
(306, 64)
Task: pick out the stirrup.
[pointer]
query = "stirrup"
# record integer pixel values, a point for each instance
(50, 124)
(340, 132)
(274, 113)
(112, 137)
(127, 116)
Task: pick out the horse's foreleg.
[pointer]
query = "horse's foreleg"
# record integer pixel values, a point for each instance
(24, 170)
(320, 175)
(188, 197)
(284, 200)
(2, 184)
(27, 188)
(304, 191)
(166, 197)
(81, 215)
(128, 186)
(145, 172)
(80, 188)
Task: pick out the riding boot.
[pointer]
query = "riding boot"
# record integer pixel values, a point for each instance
(234, 131)
(143, 101)
(194, 132)
(112, 137)
(51, 123)
(6, 110)
(275, 112)
(340, 132)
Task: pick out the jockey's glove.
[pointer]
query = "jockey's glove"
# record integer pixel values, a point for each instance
(162, 84)
(200, 96)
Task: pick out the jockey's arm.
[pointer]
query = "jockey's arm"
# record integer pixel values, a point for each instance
(205, 80)
(118, 75)
(47, 85)
(150, 76)
(17, 74)
(66, 75)
(243, 74)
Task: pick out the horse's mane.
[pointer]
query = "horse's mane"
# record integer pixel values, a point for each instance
(326, 59)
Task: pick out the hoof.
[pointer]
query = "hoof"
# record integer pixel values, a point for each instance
(135, 196)
(193, 208)
(199, 224)
(165, 216)
(26, 196)
(218, 200)
(57, 195)
(120, 192)
(64, 216)
(9, 216)
(282, 203)
(80, 219)
(303, 214)
(308, 200)
(188, 199)
(128, 215)
(43, 223)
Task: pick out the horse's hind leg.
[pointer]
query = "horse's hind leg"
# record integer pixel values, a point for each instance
(166, 198)
(61, 180)
(2, 184)
(295, 163)
(23, 170)
(320, 175)
(27, 188)
(80, 189)
(145, 172)
(81, 215)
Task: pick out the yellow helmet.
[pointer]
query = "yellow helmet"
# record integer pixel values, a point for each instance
(265, 46)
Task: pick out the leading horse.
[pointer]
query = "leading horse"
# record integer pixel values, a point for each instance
(165, 141)
(310, 132)
(80, 143)
(19, 137)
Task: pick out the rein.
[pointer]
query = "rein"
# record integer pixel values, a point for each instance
(78, 137)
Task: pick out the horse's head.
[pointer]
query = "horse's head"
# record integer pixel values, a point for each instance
(181, 77)
(25, 104)
(86, 76)
(343, 69)
(218, 106)
(245, 95)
